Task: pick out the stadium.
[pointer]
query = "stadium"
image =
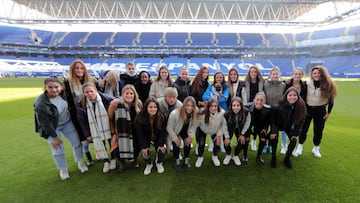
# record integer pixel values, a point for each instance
(44, 39)
(41, 38)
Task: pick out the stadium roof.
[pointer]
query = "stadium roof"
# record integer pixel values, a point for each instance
(218, 12)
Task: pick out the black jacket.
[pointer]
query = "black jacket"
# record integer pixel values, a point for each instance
(260, 119)
(303, 89)
(283, 119)
(183, 88)
(143, 132)
(200, 90)
(232, 124)
(143, 90)
(82, 114)
(46, 116)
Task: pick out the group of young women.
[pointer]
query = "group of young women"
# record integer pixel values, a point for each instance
(123, 115)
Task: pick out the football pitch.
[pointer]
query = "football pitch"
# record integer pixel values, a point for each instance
(28, 173)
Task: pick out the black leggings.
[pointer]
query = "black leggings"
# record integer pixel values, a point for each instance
(202, 139)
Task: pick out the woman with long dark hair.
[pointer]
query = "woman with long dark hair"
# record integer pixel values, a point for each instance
(151, 128)
(288, 116)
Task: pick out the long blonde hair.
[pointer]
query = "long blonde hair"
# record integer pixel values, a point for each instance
(136, 103)
(182, 109)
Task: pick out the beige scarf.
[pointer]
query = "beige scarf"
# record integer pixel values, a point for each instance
(99, 126)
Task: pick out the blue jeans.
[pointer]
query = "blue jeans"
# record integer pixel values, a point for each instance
(69, 131)
(284, 138)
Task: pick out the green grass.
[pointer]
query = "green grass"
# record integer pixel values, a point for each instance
(28, 173)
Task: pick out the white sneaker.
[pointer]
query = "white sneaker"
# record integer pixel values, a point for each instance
(106, 167)
(236, 160)
(283, 149)
(148, 168)
(299, 149)
(112, 164)
(215, 160)
(294, 153)
(82, 167)
(64, 174)
(227, 159)
(316, 151)
(253, 145)
(160, 167)
(199, 162)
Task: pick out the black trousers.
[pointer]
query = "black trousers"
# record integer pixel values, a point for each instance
(317, 114)
(202, 139)
(160, 156)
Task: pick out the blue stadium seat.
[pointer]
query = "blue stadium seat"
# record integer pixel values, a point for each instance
(176, 39)
(332, 33)
(202, 39)
(72, 39)
(150, 38)
(227, 39)
(252, 39)
(124, 38)
(97, 39)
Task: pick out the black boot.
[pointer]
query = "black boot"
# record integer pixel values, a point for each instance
(90, 161)
(273, 162)
(287, 162)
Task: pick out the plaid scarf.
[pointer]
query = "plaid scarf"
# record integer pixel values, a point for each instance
(99, 126)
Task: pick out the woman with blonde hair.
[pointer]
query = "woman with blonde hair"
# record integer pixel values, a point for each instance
(94, 121)
(181, 127)
(122, 112)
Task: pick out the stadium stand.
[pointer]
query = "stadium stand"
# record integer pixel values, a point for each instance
(338, 49)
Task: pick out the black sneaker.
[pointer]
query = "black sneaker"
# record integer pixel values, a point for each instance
(178, 167)
(187, 166)
(287, 163)
(273, 162)
(259, 160)
(244, 160)
(90, 163)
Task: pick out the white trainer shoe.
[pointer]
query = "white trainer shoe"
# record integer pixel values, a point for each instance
(106, 167)
(199, 162)
(299, 149)
(283, 149)
(253, 145)
(294, 153)
(215, 160)
(227, 159)
(112, 164)
(236, 160)
(148, 168)
(64, 174)
(160, 167)
(82, 167)
(316, 151)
